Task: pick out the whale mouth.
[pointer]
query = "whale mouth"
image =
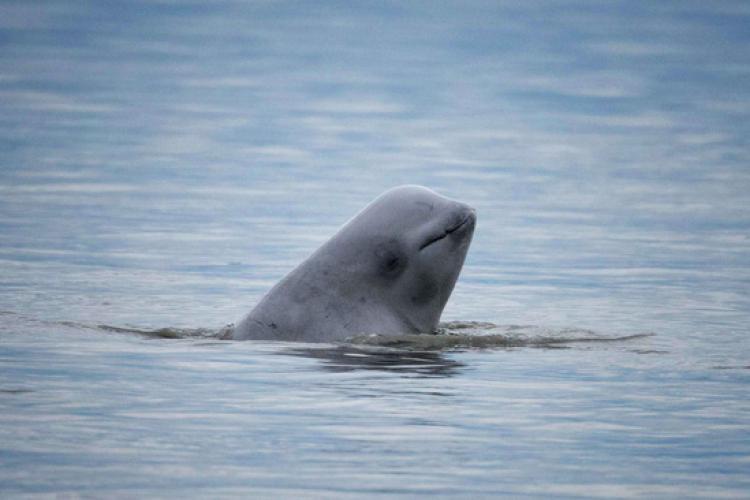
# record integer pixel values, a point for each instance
(452, 229)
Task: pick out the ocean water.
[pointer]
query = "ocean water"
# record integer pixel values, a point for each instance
(163, 164)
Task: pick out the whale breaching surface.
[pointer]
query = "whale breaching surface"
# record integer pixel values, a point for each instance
(388, 271)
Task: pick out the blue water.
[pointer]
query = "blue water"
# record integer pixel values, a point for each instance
(162, 164)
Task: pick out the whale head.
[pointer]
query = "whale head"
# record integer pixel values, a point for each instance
(389, 270)
(408, 247)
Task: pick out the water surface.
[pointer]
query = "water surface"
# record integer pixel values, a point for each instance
(162, 164)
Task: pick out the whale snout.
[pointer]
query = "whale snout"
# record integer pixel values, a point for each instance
(459, 226)
(467, 214)
(462, 218)
(466, 219)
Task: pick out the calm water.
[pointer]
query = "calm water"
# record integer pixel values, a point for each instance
(163, 164)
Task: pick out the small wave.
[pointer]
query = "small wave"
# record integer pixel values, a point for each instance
(483, 335)
(22, 320)
(170, 333)
(449, 335)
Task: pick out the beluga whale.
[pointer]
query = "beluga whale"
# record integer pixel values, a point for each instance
(389, 271)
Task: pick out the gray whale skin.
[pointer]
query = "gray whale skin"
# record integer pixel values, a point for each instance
(388, 271)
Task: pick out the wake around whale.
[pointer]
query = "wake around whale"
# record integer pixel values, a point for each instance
(390, 271)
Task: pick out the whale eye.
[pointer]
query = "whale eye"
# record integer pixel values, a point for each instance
(390, 261)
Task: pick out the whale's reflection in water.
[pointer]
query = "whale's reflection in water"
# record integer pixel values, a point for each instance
(348, 358)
